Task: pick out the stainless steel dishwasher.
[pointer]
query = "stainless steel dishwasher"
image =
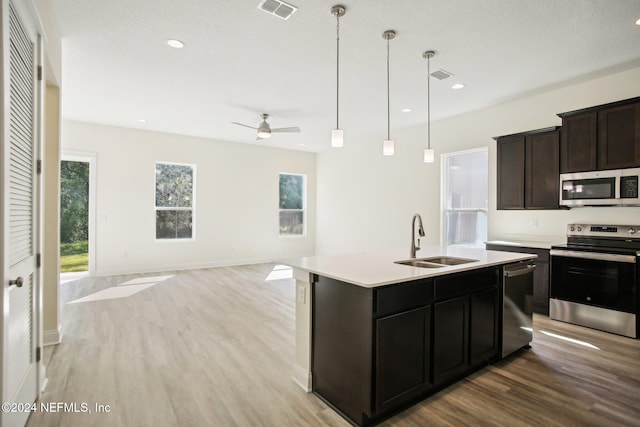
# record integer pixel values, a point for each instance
(517, 302)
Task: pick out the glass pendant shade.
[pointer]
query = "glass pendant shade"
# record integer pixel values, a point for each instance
(429, 155)
(337, 138)
(388, 147)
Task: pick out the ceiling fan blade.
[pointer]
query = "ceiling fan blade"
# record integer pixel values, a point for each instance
(291, 129)
(247, 126)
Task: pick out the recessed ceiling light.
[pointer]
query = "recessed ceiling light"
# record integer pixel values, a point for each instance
(457, 86)
(406, 110)
(142, 120)
(638, 21)
(175, 43)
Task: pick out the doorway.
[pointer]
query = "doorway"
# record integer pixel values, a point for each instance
(77, 201)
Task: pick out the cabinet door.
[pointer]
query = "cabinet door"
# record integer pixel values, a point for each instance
(511, 167)
(403, 348)
(542, 178)
(484, 326)
(578, 143)
(450, 338)
(619, 137)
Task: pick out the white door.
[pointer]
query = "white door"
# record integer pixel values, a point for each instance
(19, 220)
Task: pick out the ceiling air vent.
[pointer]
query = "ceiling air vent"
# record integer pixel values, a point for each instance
(441, 74)
(278, 8)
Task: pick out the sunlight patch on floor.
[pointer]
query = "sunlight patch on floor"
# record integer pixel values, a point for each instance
(571, 340)
(280, 272)
(123, 290)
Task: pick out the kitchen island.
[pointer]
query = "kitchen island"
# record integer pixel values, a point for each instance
(374, 335)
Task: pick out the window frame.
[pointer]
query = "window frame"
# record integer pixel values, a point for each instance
(443, 192)
(175, 208)
(303, 210)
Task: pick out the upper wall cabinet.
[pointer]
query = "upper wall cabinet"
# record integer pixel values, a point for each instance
(528, 169)
(602, 137)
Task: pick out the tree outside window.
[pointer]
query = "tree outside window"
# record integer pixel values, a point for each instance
(174, 200)
(292, 204)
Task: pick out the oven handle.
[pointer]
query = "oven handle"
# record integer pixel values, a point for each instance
(594, 255)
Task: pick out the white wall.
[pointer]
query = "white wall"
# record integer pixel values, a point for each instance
(366, 200)
(236, 199)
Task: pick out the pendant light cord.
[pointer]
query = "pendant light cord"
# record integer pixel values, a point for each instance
(337, 70)
(428, 102)
(388, 102)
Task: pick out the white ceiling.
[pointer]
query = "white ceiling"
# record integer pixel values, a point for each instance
(239, 61)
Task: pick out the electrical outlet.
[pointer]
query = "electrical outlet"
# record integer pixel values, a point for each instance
(534, 223)
(301, 294)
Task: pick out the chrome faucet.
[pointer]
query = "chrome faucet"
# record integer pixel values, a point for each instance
(416, 247)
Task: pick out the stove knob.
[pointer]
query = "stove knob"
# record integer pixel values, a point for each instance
(572, 228)
(632, 231)
(579, 229)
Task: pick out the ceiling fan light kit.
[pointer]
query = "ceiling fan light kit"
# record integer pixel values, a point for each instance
(265, 131)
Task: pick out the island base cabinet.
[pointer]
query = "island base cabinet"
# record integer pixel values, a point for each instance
(342, 347)
(484, 326)
(450, 339)
(403, 348)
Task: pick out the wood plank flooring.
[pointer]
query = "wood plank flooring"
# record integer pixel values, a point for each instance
(215, 347)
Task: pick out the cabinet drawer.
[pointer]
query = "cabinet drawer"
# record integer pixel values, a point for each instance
(455, 285)
(396, 298)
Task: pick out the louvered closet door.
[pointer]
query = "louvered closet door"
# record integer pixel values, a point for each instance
(19, 379)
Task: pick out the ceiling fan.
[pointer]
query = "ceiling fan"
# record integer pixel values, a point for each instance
(264, 130)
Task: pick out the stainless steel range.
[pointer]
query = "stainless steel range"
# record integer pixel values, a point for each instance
(594, 278)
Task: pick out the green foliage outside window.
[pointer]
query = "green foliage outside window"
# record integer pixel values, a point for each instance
(174, 201)
(291, 205)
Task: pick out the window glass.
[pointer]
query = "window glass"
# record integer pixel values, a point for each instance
(174, 200)
(466, 197)
(292, 204)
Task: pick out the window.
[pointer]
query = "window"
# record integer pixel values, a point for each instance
(292, 204)
(175, 185)
(465, 180)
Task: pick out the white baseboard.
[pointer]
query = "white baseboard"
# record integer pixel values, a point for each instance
(302, 377)
(52, 337)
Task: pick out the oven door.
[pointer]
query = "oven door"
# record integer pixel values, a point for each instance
(596, 279)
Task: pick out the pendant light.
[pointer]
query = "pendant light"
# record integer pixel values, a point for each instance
(388, 144)
(337, 135)
(429, 154)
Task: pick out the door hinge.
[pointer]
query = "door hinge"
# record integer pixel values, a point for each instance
(38, 354)
(39, 72)
(38, 167)
(38, 260)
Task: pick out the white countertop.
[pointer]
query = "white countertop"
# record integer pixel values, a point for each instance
(371, 270)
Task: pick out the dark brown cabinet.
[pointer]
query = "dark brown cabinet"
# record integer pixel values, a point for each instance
(450, 338)
(601, 137)
(619, 137)
(377, 350)
(483, 323)
(578, 142)
(540, 274)
(465, 322)
(403, 357)
(511, 164)
(529, 170)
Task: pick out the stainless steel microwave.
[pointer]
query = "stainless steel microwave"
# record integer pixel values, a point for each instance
(617, 187)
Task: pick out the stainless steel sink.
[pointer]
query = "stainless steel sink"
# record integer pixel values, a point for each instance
(448, 260)
(419, 263)
(435, 262)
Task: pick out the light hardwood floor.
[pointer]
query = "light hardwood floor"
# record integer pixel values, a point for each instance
(215, 347)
